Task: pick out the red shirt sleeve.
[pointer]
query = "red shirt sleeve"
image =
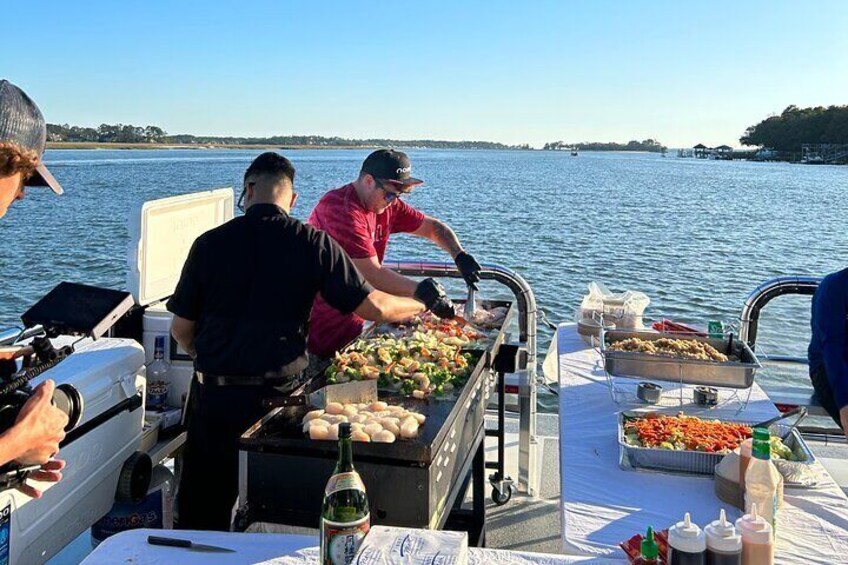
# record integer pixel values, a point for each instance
(405, 218)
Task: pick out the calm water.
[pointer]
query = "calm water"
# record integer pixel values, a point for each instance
(696, 236)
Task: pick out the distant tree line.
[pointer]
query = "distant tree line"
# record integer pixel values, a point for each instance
(796, 126)
(106, 133)
(121, 133)
(651, 145)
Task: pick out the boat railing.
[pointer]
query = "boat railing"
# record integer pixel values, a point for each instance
(8, 336)
(788, 395)
(526, 303)
(750, 318)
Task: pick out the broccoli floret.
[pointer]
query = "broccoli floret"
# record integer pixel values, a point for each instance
(408, 386)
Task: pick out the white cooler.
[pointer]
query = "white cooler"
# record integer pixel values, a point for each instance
(109, 375)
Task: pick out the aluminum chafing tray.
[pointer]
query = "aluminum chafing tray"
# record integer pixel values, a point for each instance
(730, 374)
(695, 462)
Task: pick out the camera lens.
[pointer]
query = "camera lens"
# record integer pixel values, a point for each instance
(68, 399)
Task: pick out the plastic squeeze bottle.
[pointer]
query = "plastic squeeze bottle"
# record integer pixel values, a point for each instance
(745, 450)
(763, 480)
(686, 543)
(757, 539)
(650, 550)
(724, 544)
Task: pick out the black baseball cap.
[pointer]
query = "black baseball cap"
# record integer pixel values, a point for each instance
(21, 123)
(390, 165)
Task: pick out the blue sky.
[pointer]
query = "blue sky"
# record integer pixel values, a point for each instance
(681, 72)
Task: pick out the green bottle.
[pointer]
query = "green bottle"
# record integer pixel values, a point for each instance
(345, 518)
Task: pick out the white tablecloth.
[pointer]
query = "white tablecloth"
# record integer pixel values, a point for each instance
(131, 547)
(603, 504)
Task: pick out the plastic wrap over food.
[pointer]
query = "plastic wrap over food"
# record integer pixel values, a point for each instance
(623, 309)
(391, 546)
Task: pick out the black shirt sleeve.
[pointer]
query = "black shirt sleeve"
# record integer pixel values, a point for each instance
(186, 301)
(342, 286)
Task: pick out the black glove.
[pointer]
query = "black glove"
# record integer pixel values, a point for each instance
(434, 297)
(469, 267)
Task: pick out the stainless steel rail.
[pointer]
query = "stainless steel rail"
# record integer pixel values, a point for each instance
(749, 322)
(526, 301)
(9, 336)
(750, 318)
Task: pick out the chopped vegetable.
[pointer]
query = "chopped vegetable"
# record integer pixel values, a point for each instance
(686, 433)
(425, 356)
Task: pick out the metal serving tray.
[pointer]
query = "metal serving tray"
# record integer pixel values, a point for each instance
(730, 374)
(696, 462)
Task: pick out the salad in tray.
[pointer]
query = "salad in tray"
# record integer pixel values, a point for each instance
(690, 433)
(423, 357)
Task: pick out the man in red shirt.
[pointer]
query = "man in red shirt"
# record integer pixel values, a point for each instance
(360, 216)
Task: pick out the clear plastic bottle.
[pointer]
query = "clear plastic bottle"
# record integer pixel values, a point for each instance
(686, 543)
(762, 480)
(724, 544)
(745, 450)
(757, 539)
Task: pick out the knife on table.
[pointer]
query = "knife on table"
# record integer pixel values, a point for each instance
(187, 544)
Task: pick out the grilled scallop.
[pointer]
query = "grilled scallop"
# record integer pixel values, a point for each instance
(383, 436)
(334, 408)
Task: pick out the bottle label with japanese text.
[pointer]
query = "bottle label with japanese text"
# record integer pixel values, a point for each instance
(344, 481)
(342, 540)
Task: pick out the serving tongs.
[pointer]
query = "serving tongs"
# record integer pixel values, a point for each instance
(801, 410)
(469, 310)
(470, 304)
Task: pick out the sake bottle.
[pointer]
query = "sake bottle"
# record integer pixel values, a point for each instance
(345, 517)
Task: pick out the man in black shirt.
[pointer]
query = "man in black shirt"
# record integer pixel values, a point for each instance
(241, 309)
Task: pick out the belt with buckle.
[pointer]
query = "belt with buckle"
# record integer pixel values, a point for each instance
(283, 383)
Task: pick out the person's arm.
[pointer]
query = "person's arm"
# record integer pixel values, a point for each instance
(441, 234)
(184, 331)
(381, 307)
(830, 309)
(37, 432)
(35, 438)
(345, 289)
(186, 302)
(384, 279)
(12, 352)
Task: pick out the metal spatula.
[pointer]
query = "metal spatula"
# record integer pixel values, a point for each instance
(470, 304)
(353, 392)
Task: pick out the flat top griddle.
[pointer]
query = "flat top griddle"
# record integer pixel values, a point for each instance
(282, 429)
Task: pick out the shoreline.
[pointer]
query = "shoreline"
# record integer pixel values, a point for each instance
(151, 146)
(96, 145)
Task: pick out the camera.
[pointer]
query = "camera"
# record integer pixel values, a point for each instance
(15, 389)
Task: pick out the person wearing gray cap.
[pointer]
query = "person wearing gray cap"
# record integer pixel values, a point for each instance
(35, 437)
(23, 137)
